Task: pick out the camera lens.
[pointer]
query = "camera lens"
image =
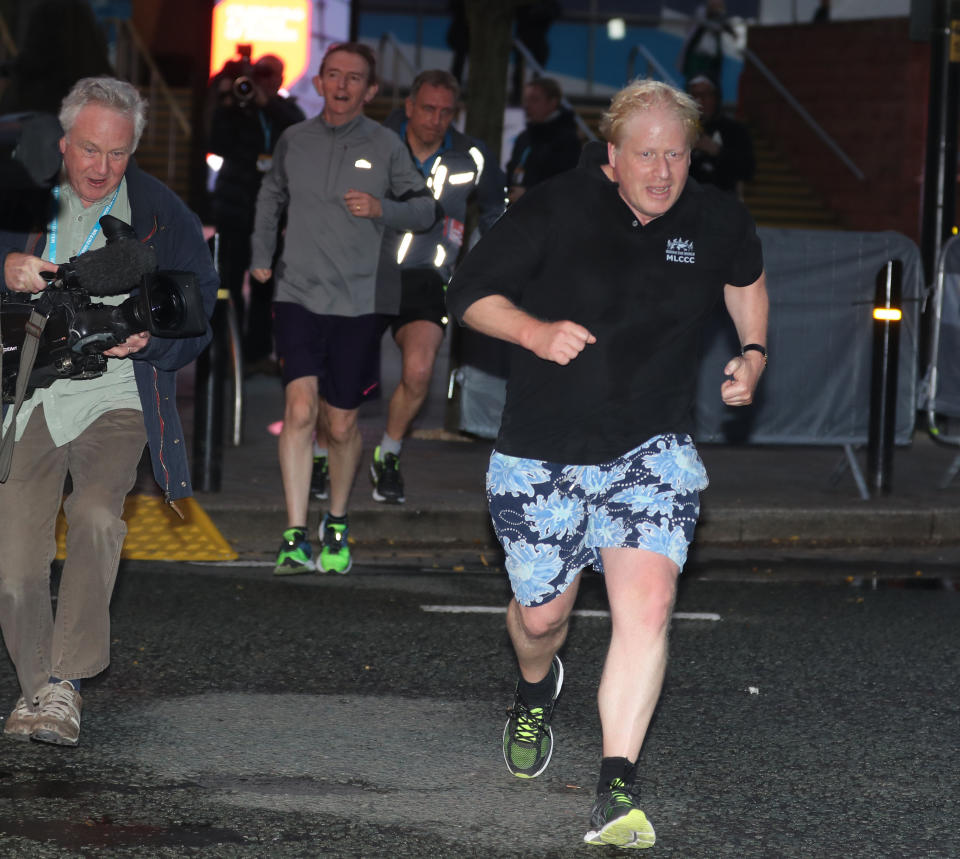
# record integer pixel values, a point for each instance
(243, 88)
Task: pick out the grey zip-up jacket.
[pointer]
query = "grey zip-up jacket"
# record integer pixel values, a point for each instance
(334, 263)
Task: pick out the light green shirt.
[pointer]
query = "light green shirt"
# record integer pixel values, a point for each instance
(72, 405)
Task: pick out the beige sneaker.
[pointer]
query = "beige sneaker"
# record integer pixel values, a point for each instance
(58, 720)
(20, 723)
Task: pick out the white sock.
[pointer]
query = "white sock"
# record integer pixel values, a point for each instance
(389, 445)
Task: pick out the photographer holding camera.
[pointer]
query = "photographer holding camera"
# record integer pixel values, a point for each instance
(92, 428)
(246, 124)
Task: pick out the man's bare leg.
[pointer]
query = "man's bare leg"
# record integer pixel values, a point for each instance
(537, 634)
(295, 446)
(344, 446)
(641, 587)
(419, 342)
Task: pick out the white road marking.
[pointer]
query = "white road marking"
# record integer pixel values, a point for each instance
(584, 612)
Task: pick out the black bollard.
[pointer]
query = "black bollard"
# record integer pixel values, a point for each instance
(208, 403)
(887, 315)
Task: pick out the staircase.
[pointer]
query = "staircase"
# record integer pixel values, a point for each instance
(164, 150)
(778, 197)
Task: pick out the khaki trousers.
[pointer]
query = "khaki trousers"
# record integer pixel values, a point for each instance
(102, 464)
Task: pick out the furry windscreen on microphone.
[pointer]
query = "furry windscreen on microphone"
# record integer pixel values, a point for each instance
(111, 270)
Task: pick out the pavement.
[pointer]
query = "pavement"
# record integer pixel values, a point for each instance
(760, 495)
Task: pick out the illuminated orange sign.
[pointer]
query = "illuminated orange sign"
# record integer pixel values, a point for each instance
(280, 27)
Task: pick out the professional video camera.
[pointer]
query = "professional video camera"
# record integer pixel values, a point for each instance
(242, 72)
(78, 330)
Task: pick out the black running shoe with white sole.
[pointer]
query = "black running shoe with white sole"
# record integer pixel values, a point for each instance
(527, 736)
(617, 820)
(386, 477)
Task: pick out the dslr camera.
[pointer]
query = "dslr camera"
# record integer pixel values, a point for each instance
(78, 330)
(241, 72)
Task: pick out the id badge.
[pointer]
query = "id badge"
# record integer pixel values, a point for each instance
(264, 162)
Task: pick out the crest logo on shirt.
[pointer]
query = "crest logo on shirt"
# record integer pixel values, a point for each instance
(680, 250)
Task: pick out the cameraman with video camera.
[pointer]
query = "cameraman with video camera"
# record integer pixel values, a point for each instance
(92, 428)
(246, 124)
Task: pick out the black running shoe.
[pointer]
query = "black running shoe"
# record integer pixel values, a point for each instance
(527, 736)
(617, 820)
(385, 474)
(318, 478)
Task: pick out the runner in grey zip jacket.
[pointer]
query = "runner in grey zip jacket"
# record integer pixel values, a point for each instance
(320, 268)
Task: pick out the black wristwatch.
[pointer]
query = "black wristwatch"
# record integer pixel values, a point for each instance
(755, 347)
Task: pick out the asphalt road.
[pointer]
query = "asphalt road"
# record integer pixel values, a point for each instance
(810, 710)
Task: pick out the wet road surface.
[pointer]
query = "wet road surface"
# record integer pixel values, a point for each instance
(810, 710)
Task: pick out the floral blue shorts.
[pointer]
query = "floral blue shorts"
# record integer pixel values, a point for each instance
(552, 520)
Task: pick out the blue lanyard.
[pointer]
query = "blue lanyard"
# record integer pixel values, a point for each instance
(52, 231)
(265, 126)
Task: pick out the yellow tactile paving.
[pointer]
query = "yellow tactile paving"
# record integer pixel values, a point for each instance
(156, 533)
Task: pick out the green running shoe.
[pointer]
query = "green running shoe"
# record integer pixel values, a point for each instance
(527, 736)
(618, 820)
(335, 549)
(295, 555)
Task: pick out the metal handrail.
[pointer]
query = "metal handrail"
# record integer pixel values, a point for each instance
(532, 63)
(933, 356)
(652, 61)
(931, 377)
(799, 108)
(398, 54)
(747, 54)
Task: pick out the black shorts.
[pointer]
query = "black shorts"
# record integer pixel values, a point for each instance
(423, 296)
(343, 352)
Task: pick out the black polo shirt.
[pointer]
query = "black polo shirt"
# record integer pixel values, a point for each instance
(572, 249)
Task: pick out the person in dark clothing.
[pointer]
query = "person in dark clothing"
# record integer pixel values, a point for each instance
(533, 21)
(458, 37)
(61, 43)
(702, 52)
(723, 154)
(549, 145)
(244, 133)
(601, 280)
(457, 170)
(822, 13)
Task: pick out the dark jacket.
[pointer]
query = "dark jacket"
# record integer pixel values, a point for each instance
(544, 149)
(241, 136)
(161, 220)
(476, 177)
(733, 164)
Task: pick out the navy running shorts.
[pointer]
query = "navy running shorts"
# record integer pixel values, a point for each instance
(422, 297)
(343, 352)
(552, 520)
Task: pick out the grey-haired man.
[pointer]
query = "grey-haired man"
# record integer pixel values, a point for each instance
(93, 429)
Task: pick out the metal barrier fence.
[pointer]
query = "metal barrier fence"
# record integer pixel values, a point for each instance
(939, 395)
